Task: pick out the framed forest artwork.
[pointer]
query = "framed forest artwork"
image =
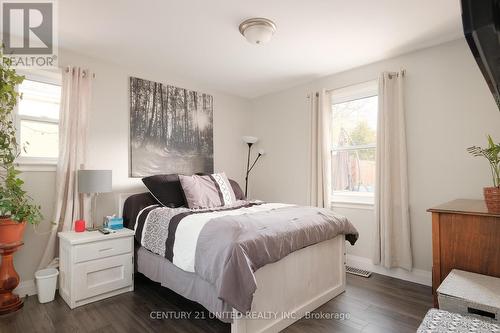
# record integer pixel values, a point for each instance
(171, 130)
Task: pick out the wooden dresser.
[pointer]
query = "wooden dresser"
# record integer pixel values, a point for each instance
(465, 236)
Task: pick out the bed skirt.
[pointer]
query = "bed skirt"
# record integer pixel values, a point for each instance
(187, 284)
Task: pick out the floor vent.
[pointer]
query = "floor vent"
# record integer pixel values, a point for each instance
(357, 271)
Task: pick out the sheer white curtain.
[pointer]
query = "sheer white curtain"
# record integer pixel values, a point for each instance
(75, 105)
(320, 167)
(392, 238)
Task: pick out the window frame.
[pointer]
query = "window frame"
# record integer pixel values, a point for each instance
(351, 199)
(36, 163)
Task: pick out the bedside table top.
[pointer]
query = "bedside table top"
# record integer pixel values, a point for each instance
(93, 236)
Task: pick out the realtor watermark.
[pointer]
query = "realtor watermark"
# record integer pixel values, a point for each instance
(266, 315)
(29, 33)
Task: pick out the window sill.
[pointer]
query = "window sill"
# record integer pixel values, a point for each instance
(352, 205)
(36, 166)
(353, 200)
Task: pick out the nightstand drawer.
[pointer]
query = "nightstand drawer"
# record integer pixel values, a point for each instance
(102, 249)
(101, 276)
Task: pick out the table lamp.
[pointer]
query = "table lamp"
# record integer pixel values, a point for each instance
(94, 182)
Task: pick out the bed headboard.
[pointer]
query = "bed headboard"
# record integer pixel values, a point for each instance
(121, 201)
(131, 204)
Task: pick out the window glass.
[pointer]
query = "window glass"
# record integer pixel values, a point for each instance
(38, 113)
(354, 137)
(39, 99)
(39, 139)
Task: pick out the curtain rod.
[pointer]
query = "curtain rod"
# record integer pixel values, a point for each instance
(350, 85)
(402, 73)
(84, 72)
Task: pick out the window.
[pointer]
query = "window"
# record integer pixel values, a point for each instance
(38, 119)
(354, 138)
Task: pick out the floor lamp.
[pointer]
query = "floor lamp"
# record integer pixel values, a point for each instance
(250, 140)
(94, 182)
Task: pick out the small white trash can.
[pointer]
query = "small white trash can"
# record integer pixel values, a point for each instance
(46, 281)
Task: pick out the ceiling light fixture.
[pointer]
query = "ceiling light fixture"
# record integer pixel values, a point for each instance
(257, 30)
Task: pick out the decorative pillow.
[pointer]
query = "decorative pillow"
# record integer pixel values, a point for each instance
(207, 191)
(166, 189)
(238, 192)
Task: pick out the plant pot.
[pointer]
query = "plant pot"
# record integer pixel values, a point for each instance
(492, 198)
(11, 232)
(11, 235)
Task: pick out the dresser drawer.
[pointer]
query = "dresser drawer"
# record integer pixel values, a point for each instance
(101, 276)
(102, 249)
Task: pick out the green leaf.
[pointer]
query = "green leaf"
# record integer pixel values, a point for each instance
(492, 154)
(14, 201)
(490, 142)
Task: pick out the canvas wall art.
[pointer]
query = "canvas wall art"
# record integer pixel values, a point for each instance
(171, 129)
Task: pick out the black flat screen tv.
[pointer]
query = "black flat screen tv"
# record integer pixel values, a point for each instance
(481, 21)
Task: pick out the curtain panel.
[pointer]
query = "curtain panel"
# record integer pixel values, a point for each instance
(320, 161)
(73, 125)
(392, 216)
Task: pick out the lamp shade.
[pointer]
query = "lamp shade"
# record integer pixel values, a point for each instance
(250, 139)
(95, 181)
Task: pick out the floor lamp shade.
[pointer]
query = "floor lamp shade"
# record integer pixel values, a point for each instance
(250, 139)
(95, 181)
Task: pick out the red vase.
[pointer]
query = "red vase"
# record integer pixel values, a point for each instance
(11, 235)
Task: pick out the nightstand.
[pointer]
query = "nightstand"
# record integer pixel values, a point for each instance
(94, 266)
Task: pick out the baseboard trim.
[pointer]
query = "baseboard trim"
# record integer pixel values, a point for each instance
(26, 288)
(416, 275)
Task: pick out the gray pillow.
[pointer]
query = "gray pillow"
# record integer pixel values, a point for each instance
(207, 191)
(238, 192)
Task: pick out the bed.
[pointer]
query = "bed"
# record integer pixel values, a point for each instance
(295, 279)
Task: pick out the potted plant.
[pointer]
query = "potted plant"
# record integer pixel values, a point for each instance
(492, 154)
(16, 207)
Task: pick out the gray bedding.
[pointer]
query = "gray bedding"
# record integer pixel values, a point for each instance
(231, 248)
(226, 247)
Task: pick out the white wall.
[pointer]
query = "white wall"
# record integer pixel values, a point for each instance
(109, 149)
(448, 108)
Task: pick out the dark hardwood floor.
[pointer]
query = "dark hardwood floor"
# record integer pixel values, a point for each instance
(377, 304)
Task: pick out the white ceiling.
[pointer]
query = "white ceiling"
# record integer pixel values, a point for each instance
(199, 39)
